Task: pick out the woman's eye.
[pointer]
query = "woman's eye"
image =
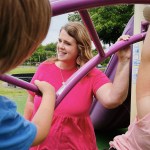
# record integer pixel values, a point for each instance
(68, 43)
(59, 40)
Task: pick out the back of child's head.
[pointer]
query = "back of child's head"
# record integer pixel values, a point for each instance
(23, 26)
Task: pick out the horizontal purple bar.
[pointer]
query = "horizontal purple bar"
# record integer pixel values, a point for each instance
(77, 76)
(20, 83)
(65, 6)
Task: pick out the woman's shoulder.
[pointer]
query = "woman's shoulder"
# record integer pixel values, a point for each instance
(46, 64)
(95, 71)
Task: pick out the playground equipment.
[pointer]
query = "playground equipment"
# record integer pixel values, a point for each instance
(101, 117)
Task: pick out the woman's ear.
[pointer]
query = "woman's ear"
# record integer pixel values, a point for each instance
(78, 60)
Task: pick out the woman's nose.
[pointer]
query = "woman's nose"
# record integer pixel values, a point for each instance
(61, 45)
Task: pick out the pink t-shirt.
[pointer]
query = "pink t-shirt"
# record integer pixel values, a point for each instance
(136, 138)
(71, 127)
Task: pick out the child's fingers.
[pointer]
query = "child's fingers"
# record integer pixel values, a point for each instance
(41, 86)
(36, 82)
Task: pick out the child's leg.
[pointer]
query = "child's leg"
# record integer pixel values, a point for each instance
(143, 80)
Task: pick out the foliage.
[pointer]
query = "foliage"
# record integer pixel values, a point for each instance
(51, 47)
(109, 21)
(74, 16)
(41, 54)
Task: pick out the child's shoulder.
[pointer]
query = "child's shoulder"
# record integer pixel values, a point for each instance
(6, 104)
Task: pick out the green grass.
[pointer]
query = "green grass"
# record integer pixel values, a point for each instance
(23, 69)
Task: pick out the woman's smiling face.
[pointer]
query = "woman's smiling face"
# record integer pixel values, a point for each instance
(66, 47)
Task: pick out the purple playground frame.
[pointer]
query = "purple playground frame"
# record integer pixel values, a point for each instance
(64, 6)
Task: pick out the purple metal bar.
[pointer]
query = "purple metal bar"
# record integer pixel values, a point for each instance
(121, 44)
(20, 83)
(77, 76)
(65, 6)
(89, 25)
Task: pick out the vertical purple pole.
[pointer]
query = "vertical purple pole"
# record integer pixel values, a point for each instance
(89, 25)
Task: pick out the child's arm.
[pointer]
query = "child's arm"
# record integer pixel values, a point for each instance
(28, 111)
(143, 80)
(43, 117)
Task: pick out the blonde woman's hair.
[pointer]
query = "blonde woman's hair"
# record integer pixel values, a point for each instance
(23, 26)
(78, 31)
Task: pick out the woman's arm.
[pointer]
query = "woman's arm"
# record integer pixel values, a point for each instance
(113, 94)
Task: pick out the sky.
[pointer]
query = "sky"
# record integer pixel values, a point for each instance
(56, 23)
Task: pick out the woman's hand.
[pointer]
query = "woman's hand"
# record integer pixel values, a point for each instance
(125, 53)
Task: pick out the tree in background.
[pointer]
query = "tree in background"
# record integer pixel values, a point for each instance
(42, 53)
(51, 47)
(109, 21)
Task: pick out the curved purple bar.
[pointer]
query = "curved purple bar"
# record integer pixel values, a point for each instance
(71, 82)
(64, 6)
(20, 83)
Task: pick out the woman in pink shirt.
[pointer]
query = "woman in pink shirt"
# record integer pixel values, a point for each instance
(71, 127)
(138, 135)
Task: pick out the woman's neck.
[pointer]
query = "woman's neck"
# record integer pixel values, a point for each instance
(65, 66)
